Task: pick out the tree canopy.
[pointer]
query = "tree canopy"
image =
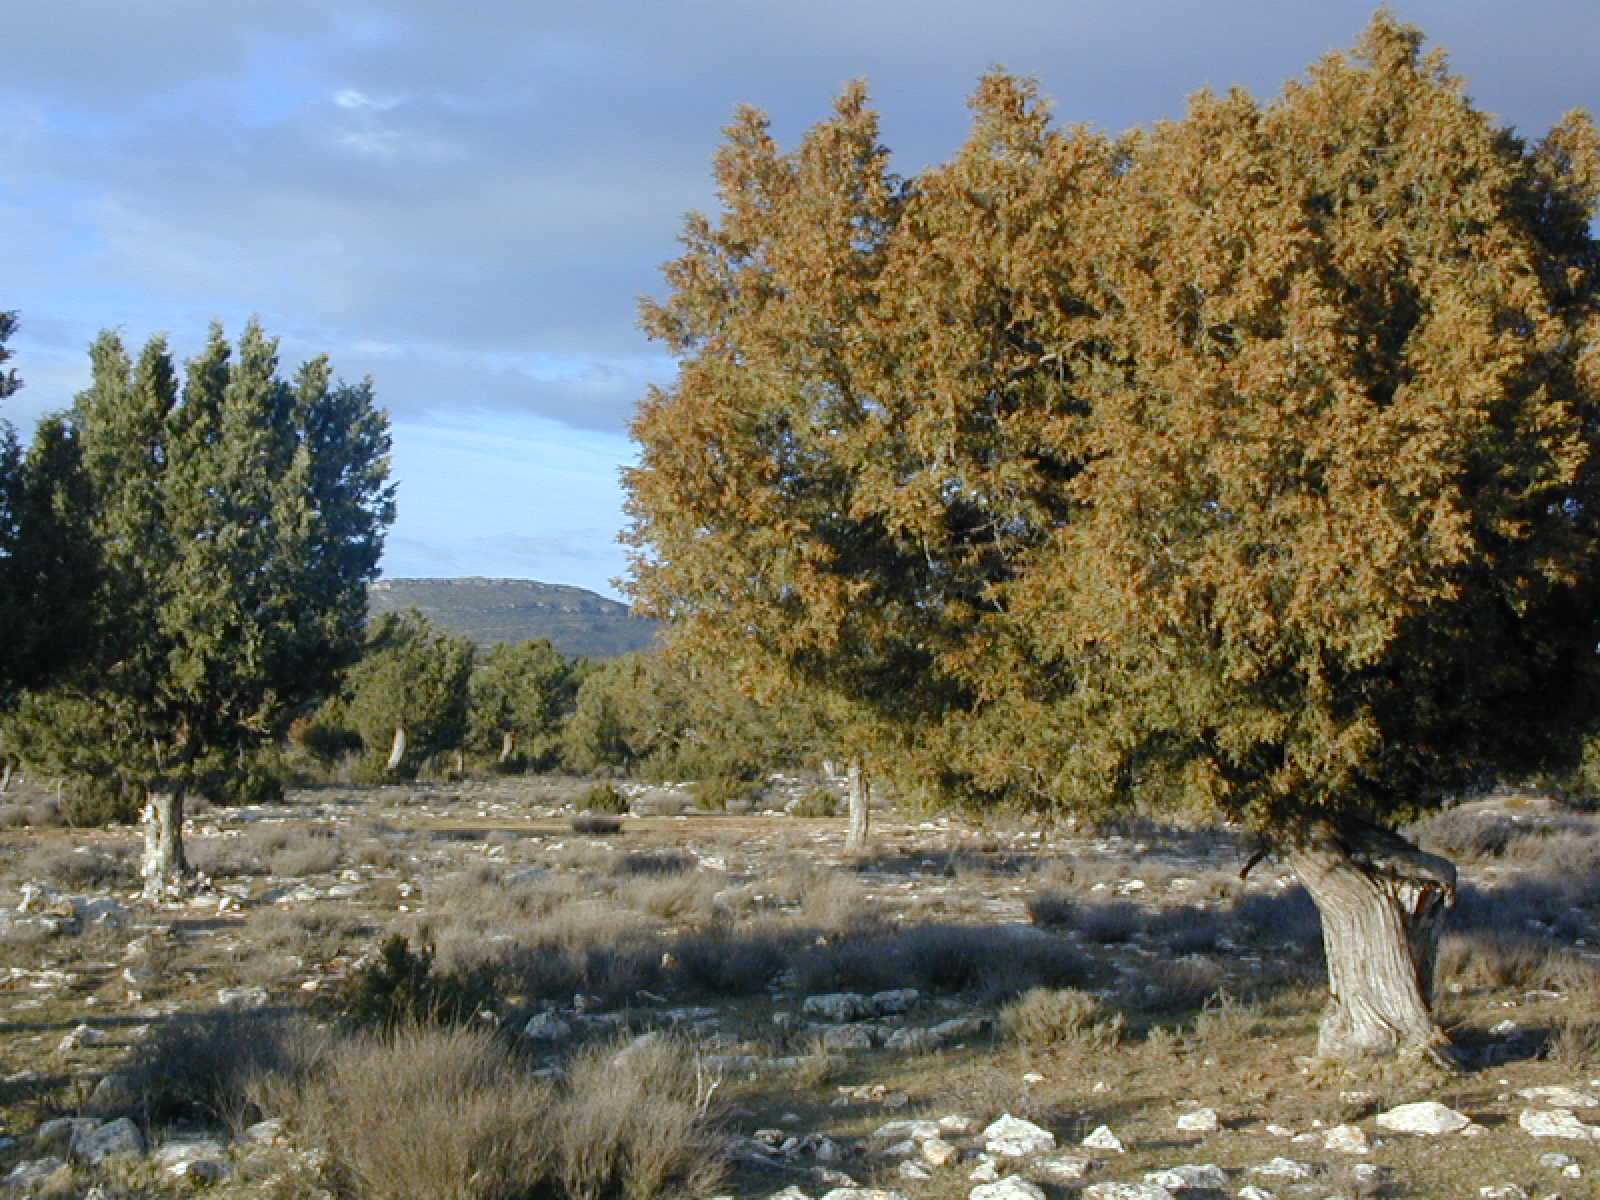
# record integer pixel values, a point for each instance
(1246, 462)
(229, 527)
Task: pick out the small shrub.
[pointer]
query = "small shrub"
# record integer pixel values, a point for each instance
(400, 988)
(94, 800)
(818, 802)
(1110, 923)
(1575, 1042)
(1225, 1021)
(633, 1123)
(1052, 910)
(205, 1066)
(592, 823)
(661, 862)
(603, 798)
(82, 867)
(1187, 929)
(1049, 1017)
(725, 963)
(1284, 920)
(1175, 985)
(424, 1114)
(719, 793)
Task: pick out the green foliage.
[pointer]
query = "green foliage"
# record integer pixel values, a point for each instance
(414, 676)
(1246, 464)
(518, 698)
(818, 802)
(602, 798)
(228, 527)
(400, 988)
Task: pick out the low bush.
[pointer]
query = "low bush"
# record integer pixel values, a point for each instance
(597, 824)
(1052, 910)
(1117, 921)
(818, 802)
(401, 988)
(1186, 929)
(205, 1067)
(1174, 985)
(1044, 1018)
(82, 867)
(602, 798)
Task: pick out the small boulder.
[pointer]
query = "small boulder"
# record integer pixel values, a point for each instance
(1012, 1187)
(1346, 1139)
(548, 1027)
(1556, 1123)
(1425, 1117)
(1208, 1177)
(1012, 1137)
(1201, 1120)
(1559, 1096)
(1103, 1139)
(838, 1006)
(1126, 1191)
(121, 1136)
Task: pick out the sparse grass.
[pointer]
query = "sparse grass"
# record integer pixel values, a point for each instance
(80, 868)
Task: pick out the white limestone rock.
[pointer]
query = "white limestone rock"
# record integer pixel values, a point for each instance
(1201, 1120)
(1208, 1176)
(838, 1006)
(1103, 1139)
(1556, 1123)
(1424, 1117)
(1012, 1187)
(1126, 1191)
(1559, 1096)
(1346, 1139)
(1013, 1137)
(1286, 1169)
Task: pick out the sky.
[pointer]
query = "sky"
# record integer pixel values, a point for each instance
(466, 201)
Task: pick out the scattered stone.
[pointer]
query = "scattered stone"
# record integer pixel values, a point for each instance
(912, 1169)
(897, 1131)
(548, 1027)
(1367, 1175)
(243, 997)
(792, 1192)
(847, 1038)
(1558, 1096)
(1285, 1168)
(1201, 1120)
(113, 1093)
(1103, 1139)
(938, 1152)
(958, 1123)
(1554, 1161)
(1012, 1187)
(1012, 1137)
(61, 1132)
(957, 1029)
(1126, 1191)
(987, 1170)
(26, 1174)
(1251, 1192)
(861, 1193)
(1556, 1123)
(1346, 1139)
(1060, 1168)
(1503, 1191)
(121, 1136)
(913, 1041)
(895, 1001)
(838, 1006)
(1425, 1117)
(1178, 1179)
(84, 1035)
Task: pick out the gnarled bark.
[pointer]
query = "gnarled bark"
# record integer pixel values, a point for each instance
(860, 829)
(165, 869)
(1381, 901)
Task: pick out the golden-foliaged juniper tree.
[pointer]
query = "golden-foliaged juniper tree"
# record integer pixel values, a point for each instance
(1247, 463)
(233, 522)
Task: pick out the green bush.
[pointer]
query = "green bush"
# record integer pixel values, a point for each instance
(818, 802)
(91, 800)
(603, 798)
(400, 988)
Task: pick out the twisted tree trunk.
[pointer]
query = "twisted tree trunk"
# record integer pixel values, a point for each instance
(1381, 901)
(165, 869)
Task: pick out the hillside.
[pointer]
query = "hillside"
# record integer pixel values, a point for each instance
(577, 622)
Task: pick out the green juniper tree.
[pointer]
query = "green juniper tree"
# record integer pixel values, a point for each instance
(519, 695)
(231, 525)
(1249, 463)
(407, 696)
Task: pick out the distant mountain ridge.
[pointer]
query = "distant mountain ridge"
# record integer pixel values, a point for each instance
(576, 622)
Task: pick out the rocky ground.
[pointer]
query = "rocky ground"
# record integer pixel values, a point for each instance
(989, 1012)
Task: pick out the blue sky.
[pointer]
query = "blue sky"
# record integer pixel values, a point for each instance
(465, 201)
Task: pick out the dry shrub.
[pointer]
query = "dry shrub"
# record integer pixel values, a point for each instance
(676, 898)
(657, 862)
(591, 823)
(1575, 1042)
(206, 1066)
(1052, 1017)
(1226, 1021)
(1052, 910)
(1175, 985)
(436, 1114)
(1501, 958)
(1468, 834)
(1118, 921)
(1186, 929)
(633, 1123)
(81, 867)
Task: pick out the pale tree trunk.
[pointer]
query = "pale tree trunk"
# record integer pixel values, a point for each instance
(1381, 901)
(508, 745)
(5, 776)
(397, 749)
(860, 807)
(165, 868)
